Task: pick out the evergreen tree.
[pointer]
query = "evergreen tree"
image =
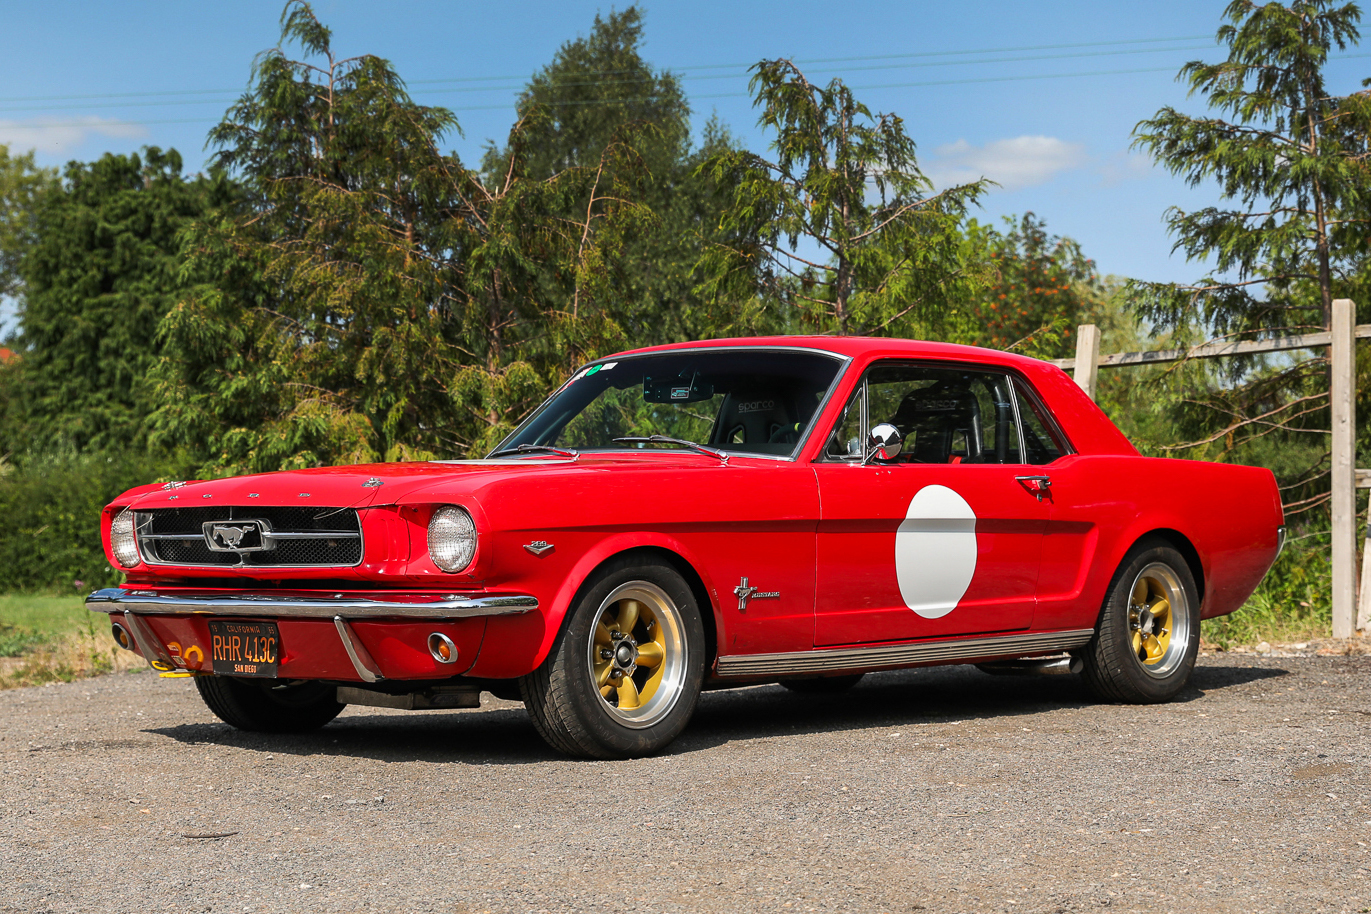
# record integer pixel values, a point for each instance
(598, 91)
(842, 226)
(22, 185)
(372, 298)
(1290, 160)
(99, 270)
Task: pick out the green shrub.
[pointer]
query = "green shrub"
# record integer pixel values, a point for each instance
(50, 510)
(1293, 603)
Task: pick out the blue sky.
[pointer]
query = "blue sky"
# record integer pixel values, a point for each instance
(1039, 96)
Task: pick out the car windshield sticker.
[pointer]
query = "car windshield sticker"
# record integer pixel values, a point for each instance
(935, 551)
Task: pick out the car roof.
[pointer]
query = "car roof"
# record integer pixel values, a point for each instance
(1088, 428)
(855, 346)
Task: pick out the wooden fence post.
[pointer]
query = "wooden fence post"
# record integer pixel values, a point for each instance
(1343, 365)
(1087, 358)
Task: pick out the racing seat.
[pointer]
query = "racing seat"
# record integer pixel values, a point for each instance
(754, 416)
(940, 424)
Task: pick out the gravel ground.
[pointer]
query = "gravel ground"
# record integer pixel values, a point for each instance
(933, 790)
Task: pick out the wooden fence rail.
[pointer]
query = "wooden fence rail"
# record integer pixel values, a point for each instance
(1346, 478)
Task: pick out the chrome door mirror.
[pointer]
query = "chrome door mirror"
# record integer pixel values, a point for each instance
(884, 443)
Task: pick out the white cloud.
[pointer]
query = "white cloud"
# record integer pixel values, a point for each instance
(60, 135)
(1023, 161)
(1125, 166)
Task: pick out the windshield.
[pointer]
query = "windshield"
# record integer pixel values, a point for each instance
(745, 401)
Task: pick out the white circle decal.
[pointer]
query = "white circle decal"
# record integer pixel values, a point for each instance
(935, 551)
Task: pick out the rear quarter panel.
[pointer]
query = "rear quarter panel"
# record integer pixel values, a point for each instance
(1103, 505)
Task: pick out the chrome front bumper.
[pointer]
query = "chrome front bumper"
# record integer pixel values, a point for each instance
(306, 606)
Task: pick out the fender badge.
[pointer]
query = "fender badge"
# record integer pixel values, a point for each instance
(538, 547)
(745, 593)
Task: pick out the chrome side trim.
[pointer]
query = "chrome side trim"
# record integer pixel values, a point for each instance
(366, 667)
(414, 606)
(896, 655)
(149, 645)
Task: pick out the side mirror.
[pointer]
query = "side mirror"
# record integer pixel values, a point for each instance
(884, 443)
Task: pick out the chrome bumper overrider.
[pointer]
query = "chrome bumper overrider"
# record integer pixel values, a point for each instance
(299, 606)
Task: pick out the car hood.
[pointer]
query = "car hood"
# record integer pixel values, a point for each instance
(371, 485)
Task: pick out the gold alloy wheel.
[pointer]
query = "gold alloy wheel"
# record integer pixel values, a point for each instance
(638, 654)
(1158, 619)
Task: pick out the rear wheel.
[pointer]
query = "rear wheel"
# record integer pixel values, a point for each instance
(1149, 632)
(623, 677)
(269, 705)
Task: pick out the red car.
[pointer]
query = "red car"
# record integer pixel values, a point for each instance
(800, 510)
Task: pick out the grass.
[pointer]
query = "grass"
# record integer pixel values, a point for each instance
(28, 620)
(1267, 618)
(54, 638)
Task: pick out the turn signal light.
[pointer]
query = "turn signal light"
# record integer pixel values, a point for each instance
(442, 648)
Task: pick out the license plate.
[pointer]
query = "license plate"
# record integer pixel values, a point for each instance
(244, 648)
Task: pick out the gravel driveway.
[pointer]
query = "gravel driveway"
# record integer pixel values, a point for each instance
(940, 790)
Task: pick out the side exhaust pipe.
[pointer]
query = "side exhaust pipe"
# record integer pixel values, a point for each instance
(1037, 666)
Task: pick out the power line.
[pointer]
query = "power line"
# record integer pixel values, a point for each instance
(612, 101)
(86, 122)
(612, 82)
(729, 66)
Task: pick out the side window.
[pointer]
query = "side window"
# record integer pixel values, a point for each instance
(1040, 443)
(947, 415)
(848, 439)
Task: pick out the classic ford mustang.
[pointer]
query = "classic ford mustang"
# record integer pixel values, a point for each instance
(794, 510)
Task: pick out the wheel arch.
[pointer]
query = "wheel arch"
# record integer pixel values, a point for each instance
(1171, 537)
(664, 555)
(530, 637)
(1182, 544)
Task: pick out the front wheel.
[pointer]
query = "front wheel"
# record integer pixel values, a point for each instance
(1149, 631)
(269, 705)
(623, 677)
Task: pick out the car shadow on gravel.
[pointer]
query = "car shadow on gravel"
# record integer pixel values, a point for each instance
(489, 736)
(504, 735)
(912, 697)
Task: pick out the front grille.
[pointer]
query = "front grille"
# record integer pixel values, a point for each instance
(297, 537)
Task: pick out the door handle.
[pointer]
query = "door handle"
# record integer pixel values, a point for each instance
(1040, 486)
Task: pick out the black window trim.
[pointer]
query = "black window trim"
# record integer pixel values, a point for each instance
(1019, 385)
(1022, 387)
(844, 366)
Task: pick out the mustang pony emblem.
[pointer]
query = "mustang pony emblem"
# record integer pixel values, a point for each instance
(231, 537)
(745, 593)
(243, 536)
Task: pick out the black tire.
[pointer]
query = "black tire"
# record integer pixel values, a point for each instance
(822, 685)
(268, 705)
(1139, 654)
(565, 697)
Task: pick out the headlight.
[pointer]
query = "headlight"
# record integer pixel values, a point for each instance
(122, 540)
(451, 538)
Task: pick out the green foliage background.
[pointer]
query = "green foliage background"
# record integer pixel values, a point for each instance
(338, 288)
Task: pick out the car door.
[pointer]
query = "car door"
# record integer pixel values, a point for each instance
(946, 538)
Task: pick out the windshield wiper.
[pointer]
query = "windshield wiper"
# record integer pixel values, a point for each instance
(535, 448)
(663, 439)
